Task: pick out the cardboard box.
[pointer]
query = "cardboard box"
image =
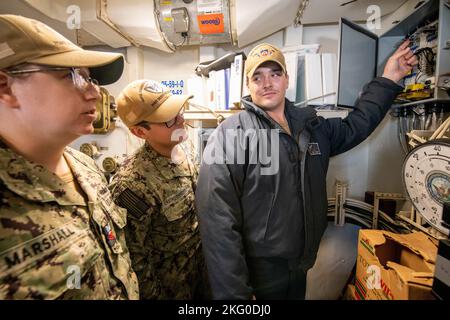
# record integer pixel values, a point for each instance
(394, 266)
(350, 293)
(441, 282)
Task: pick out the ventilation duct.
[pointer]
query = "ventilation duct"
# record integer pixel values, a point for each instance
(115, 23)
(168, 24)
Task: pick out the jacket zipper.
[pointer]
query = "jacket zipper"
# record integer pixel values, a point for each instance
(304, 137)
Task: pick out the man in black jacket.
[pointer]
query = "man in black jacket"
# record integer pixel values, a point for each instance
(262, 217)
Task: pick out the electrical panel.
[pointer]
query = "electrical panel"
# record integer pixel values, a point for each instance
(421, 83)
(362, 56)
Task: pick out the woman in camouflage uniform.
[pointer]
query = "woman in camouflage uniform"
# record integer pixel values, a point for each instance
(61, 236)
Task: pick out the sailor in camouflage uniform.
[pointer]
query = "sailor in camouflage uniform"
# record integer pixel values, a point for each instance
(156, 185)
(61, 235)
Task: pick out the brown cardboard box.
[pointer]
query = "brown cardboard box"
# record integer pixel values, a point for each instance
(394, 266)
(350, 293)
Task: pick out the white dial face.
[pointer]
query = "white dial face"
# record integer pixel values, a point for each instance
(426, 174)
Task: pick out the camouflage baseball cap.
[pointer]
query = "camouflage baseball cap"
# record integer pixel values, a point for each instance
(146, 100)
(262, 53)
(24, 40)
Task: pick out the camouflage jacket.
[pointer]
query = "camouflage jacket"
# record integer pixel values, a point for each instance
(54, 245)
(162, 231)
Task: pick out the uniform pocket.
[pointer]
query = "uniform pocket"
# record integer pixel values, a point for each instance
(177, 205)
(114, 236)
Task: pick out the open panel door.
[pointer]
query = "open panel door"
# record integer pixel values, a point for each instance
(357, 61)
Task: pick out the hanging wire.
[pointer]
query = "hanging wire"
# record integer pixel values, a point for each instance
(301, 9)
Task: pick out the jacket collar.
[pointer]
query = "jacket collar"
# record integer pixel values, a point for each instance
(250, 106)
(298, 118)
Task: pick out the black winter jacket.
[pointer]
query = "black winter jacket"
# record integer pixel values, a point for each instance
(245, 214)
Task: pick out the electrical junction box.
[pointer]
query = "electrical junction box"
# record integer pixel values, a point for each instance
(362, 54)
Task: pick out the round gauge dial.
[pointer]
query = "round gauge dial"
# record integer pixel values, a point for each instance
(426, 175)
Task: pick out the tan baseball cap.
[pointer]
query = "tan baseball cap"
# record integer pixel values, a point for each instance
(262, 53)
(24, 40)
(147, 100)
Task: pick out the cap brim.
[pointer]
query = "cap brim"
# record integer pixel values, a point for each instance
(109, 73)
(105, 67)
(250, 73)
(169, 109)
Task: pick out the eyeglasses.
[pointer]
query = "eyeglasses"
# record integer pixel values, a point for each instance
(171, 123)
(80, 80)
